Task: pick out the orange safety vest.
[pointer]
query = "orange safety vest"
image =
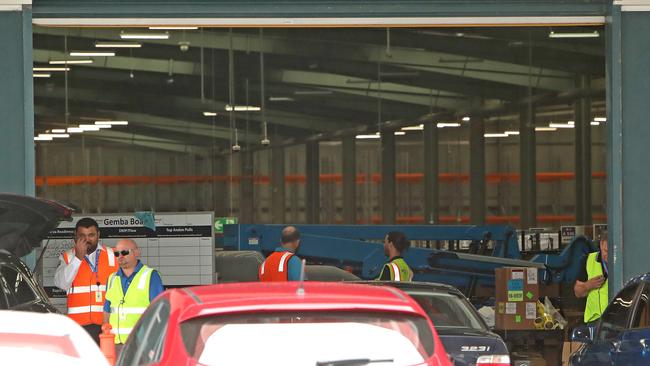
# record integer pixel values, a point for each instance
(275, 267)
(85, 306)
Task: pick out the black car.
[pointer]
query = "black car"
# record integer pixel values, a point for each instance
(24, 222)
(462, 330)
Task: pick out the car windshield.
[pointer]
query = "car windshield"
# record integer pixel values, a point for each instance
(447, 310)
(305, 338)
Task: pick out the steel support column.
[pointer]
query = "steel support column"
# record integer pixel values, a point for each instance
(527, 168)
(628, 176)
(431, 190)
(477, 171)
(277, 185)
(246, 191)
(312, 170)
(16, 102)
(388, 186)
(349, 170)
(583, 155)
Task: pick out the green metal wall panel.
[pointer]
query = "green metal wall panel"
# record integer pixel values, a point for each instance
(315, 8)
(629, 149)
(16, 103)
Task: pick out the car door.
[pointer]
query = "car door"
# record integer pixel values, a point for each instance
(613, 324)
(633, 348)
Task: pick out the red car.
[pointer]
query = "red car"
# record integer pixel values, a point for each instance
(291, 323)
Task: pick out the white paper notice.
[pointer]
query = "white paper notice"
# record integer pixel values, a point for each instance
(511, 308)
(531, 310)
(531, 276)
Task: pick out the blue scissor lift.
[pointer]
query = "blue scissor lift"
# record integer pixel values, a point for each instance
(358, 247)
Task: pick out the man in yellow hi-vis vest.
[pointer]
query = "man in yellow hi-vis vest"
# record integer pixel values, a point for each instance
(129, 291)
(592, 282)
(396, 269)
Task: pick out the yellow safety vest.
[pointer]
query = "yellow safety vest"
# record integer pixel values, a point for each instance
(597, 299)
(398, 269)
(127, 308)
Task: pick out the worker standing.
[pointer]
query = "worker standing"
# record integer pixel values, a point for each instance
(396, 269)
(283, 264)
(83, 272)
(130, 290)
(592, 282)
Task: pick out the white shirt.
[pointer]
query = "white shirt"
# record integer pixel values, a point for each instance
(65, 273)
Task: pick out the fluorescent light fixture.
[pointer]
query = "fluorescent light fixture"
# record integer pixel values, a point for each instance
(419, 127)
(600, 119)
(112, 123)
(75, 130)
(117, 45)
(92, 53)
(242, 108)
(39, 138)
(58, 130)
(560, 125)
(51, 69)
(313, 92)
(466, 119)
(210, 114)
(512, 133)
(281, 99)
(594, 123)
(495, 135)
(545, 129)
(446, 124)
(593, 34)
(572, 122)
(363, 137)
(89, 127)
(70, 62)
(171, 27)
(54, 135)
(144, 35)
(42, 75)
(400, 133)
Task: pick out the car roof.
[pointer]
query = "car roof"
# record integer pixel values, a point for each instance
(414, 285)
(640, 278)
(279, 296)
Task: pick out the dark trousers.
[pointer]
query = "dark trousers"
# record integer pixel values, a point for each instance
(94, 330)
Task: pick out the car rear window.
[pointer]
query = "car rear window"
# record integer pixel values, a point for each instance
(447, 310)
(55, 344)
(305, 338)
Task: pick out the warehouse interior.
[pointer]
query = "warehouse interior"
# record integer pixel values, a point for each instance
(478, 124)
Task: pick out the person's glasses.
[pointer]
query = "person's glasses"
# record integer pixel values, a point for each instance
(123, 252)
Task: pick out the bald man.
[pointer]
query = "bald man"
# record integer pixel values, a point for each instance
(283, 264)
(130, 290)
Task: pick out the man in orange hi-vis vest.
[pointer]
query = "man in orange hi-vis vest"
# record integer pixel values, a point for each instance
(82, 273)
(283, 264)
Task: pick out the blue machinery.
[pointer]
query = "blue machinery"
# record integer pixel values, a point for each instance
(359, 247)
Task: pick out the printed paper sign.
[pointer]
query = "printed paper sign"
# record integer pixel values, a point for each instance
(531, 276)
(531, 310)
(511, 308)
(518, 274)
(515, 296)
(515, 285)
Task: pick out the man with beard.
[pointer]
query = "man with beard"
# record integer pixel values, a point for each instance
(283, 264)
(396, 269)
(82, 273)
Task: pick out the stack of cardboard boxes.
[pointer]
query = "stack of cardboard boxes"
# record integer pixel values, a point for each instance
(517, 292)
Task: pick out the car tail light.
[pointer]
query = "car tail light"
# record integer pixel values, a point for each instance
(493, 360)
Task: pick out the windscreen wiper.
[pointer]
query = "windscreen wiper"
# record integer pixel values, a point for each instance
(352, 362)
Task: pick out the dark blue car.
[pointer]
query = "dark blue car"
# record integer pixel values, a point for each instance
(623, 335)
(466, 337)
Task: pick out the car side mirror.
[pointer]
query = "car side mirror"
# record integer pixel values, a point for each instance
(581, 334)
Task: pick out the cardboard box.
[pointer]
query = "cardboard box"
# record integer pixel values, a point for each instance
(567, 349)
(517, 292)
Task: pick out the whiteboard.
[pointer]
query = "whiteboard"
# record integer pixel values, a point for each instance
(181, 248)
